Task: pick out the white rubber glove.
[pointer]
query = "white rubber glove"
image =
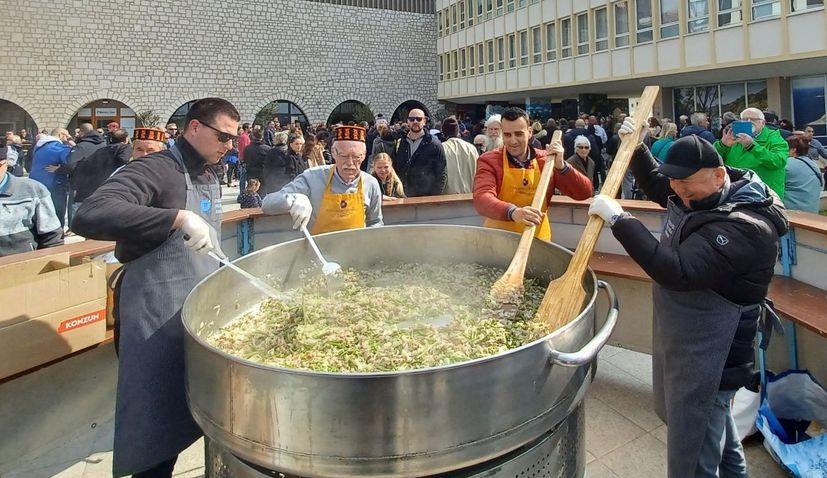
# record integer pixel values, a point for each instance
(628, 127)
(605, 207)
(199, 235)
(300, 210)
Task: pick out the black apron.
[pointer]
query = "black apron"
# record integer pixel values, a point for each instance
(692, 334)
(153, 423)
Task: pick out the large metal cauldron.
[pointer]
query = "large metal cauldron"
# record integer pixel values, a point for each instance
(405, 424)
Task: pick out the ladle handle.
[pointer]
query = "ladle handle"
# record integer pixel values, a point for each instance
(253, 280)
(589, 352)
(313, 245)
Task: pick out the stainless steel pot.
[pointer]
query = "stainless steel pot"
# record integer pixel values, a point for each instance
(411, 423)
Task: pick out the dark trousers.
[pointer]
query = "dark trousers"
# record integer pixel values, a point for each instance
(232, 170)
(60, 198)
(162, 470)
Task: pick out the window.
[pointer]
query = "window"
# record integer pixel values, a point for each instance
(551, 42)
(472, 61)
(471, 9)
(510, 6)
(481, 58)
(447, 66)
(439, 23)
(669, 18)
(500, 53)
(480, 8)
(698, 11)
(729, 12)
(621, 17)
(765, 9)
(462, 15)
(441, 67)
(490, 47)
(643, 20)
(489, 9)
(463, 63)
(536, 45)
(565, 38)
(601, 29)
(454, 18)
(512, 50)
(582, 33)
(456, 64)
(521, 4)
(524, 48)
(499, 7)
(801, 5)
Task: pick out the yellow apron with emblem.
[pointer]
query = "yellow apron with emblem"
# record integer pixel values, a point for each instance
(518, 187)
(338, 212)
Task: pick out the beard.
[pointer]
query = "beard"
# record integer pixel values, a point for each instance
(493, 143)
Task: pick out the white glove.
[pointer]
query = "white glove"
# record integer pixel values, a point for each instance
(199, 235)
(300, 210)
(628, 127)
(605, 207)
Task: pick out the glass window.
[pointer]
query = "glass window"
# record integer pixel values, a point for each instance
(729, 12)
(582, 33)
(536, 45)
(809, 103)
(489, 9)
(733, 98)
(462, 15)
(643, 20)
(499, 7)
(698, 11)
(524, 48)
(512, 50)
(472, 61)
(439, 23)
(490, 48)
(481, 58)
(454, 18)
(500, 53)
(551, 42)
(510, 5)
(669, 18)
(765, 9)
(801, 5)
(601, 29)
(463, 63)
(441, 67)
(471, 9)
(480, 8)
(684, 101)
(565, 38)
(757, 94)
(706, 100)
(447, 66)
(521, 4)
(621, 18)
(455, 62)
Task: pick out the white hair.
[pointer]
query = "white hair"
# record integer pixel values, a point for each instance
(697, 117)
(492, 143)
(493, 119)
(754, 111)
(580, 139)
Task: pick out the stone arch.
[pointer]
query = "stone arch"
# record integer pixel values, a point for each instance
(351, 110)
(77, 102)
(346, 98)
(177, 112)
(291, 100)
(14, 117)
(402, 110)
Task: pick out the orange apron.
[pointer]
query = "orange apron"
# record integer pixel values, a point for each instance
(338, 212)
(517, 188)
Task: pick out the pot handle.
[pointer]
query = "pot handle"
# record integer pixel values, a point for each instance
(589, 351)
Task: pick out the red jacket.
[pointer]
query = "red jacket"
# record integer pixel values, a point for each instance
(243, 141)
(489, 177)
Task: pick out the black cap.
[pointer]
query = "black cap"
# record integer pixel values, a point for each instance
(688, 155)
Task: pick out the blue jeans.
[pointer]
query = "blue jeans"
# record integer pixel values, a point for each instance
(721, 453)
(60, 198)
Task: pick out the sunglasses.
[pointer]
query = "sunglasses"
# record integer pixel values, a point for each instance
(222, 136)
(415, 119)
(584, 147)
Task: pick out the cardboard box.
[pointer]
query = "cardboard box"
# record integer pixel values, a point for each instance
(50, 308)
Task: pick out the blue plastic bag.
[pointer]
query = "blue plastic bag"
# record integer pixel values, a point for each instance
(794, 399)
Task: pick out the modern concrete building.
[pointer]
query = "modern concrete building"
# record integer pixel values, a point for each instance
(559, 57)
(70, 61)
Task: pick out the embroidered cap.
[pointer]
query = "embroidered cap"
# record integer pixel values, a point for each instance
(149, 134)
(350, 133)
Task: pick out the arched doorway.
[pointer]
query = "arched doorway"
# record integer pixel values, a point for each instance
(350, 110)
(102, 112)
(14, 118)
(180, 115)
(401, 112)
(287, 113)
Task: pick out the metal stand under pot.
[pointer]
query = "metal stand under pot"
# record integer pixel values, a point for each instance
(559, 453)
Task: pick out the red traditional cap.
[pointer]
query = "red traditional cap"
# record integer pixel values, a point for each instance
(350, 133)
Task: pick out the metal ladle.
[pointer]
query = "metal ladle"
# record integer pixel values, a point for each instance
(253, 280)
(328, 268)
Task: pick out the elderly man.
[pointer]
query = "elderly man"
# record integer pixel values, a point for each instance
(507, 179)
(711, 270)
(493, 133)
(336, 197)
(699, 127)
(28, 221)
(764, 151)
(164, 211)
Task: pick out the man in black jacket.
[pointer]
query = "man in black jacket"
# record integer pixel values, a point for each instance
(711, 271)
(92, 171)
(419, 160)
(89, 142)
(254, 155)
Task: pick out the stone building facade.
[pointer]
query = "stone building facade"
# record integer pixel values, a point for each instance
(158, 55)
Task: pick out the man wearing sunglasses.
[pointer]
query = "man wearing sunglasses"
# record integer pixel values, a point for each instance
(419, 159)
(164, 211)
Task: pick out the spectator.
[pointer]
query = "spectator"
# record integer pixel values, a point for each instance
(594, 150)
(29, 221)
(419, 159)
(15, 155)
(597, 130)
(493, 133)
(249, 198)
(507, 179)
(537, 132)
(389, 183)
(654, 128)
(231, 158)
(276, 173)
(296, 163)
(270, 133)
(699, 127)
(146, 141)
(385, 142)
(254, 158)
(727, 118)
(660, 148)
(803, 181)
(551, 127)
(683, 122)
(312, 152)
(323, 137)
(110, 129)
(25, 135)
(480, 141)
(172, 133)
(581, 160)
(89, 142)
(771, 120)
(816, 150)
(93, 170)
(460, 159)
(50, 153)
(764, 151)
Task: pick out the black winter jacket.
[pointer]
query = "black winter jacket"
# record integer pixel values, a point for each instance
(275, 174)
(96, 169)
(82, 150)
(424, 173)
(254, 160)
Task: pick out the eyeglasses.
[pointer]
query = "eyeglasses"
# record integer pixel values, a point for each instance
(354, 158)
(754, 120)
(584, 147)
(222, 136)
(415, 119)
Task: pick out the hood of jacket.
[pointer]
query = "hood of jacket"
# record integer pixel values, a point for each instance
(47, 139)
(748, 191)
(692, 129)
(92, 138)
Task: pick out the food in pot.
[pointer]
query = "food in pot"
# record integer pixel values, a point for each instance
(388, 318)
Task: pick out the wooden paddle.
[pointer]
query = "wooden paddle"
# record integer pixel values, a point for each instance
(508, 290)
(565, 295)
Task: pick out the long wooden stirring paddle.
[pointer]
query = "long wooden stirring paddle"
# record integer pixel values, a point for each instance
(508, 290)
(565, 295)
